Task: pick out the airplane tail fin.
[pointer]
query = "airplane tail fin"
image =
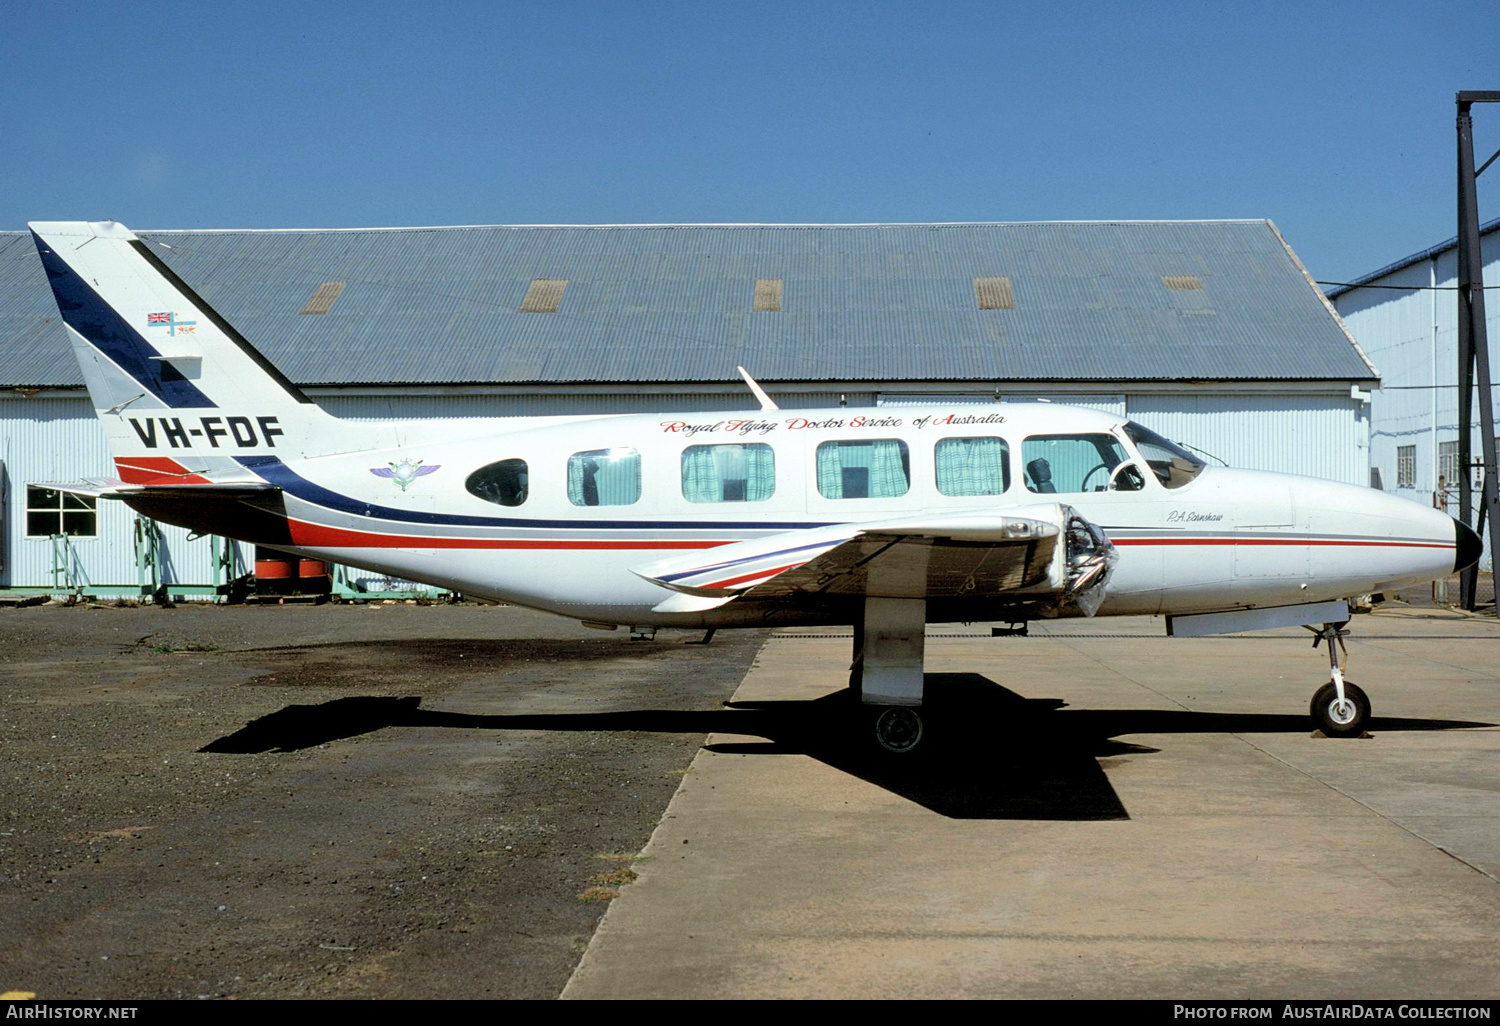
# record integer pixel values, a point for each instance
(177, 388)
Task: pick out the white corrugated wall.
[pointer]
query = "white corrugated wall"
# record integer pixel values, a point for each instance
(1411, 335)
(1323, 436)
(59, 440)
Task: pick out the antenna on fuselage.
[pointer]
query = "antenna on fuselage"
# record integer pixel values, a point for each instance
(1204, 452)
(760, 393)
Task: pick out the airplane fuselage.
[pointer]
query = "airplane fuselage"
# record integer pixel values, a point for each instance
(1222, 539)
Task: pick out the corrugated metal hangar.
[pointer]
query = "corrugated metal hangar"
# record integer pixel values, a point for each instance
(1405, 316)
(1210, 332)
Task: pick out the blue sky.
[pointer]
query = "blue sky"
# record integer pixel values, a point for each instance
(1333, 120)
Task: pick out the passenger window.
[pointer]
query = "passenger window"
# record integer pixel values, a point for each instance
(972, 466)
(876, 468)
(504, 483)
(1077, 463)
(728, 473)
(604, 477)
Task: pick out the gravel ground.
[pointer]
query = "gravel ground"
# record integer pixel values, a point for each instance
(329, 801)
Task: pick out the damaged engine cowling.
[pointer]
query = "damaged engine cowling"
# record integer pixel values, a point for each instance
(1089, 559)
(1080, 568)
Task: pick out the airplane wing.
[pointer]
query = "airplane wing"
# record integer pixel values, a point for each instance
(1048, 550)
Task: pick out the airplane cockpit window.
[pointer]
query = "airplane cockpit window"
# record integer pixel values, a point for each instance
(1173, 465)
(1078, 463)
(504, 483)
(735, 472)
(972, 466)
(875, 468)
(604, 477)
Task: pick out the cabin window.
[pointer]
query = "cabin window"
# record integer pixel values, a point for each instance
(1173, 465)
(875, 468)
(728, 473)
(972, 466)
(49, 512)
(1077, 463)
(604, 477)
(505, 483)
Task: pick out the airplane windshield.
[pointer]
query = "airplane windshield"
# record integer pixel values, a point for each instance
(1173, 465)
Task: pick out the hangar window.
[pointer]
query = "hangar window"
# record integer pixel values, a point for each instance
(875, 468)
(728, 473)
(1406, 466)
(972, 466)
(1077, 463)
(1448, 464)
(505, 483)
(50, 512)
(604, 477)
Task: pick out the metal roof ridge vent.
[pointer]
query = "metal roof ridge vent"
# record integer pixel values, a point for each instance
(544, 295)
(994, 294)
(767, 297)
(1182, 282)
(322, 299)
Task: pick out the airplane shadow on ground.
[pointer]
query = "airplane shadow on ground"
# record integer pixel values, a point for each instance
(989, 752)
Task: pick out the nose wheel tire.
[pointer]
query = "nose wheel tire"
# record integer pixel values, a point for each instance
(898, 729)
(1340, 720)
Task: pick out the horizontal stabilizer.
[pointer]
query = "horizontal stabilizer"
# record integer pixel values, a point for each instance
(114, 488)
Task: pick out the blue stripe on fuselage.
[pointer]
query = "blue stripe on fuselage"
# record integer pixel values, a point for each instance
(271, 469)
(88, 314)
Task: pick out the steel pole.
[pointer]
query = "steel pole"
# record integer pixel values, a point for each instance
(1473, 340)
(1469, 578)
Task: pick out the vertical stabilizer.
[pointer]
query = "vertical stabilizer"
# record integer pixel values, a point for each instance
(177, 388)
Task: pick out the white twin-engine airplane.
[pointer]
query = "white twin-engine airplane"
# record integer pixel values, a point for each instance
(886, 520)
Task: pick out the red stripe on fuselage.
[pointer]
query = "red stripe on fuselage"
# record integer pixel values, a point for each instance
(318, 536)
(148, 470)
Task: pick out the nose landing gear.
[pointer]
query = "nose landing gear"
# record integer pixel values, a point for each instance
(1340, 708)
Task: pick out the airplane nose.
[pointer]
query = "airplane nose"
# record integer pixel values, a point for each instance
(1468, 546)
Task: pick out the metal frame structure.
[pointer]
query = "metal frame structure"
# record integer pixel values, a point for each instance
(1473, 348)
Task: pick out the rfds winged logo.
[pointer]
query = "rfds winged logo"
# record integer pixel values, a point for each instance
(404, 472)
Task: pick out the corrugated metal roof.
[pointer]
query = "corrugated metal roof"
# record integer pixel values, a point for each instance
(673, 303)
(1407, 261)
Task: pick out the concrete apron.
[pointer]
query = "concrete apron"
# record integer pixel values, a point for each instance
(1172, 832)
